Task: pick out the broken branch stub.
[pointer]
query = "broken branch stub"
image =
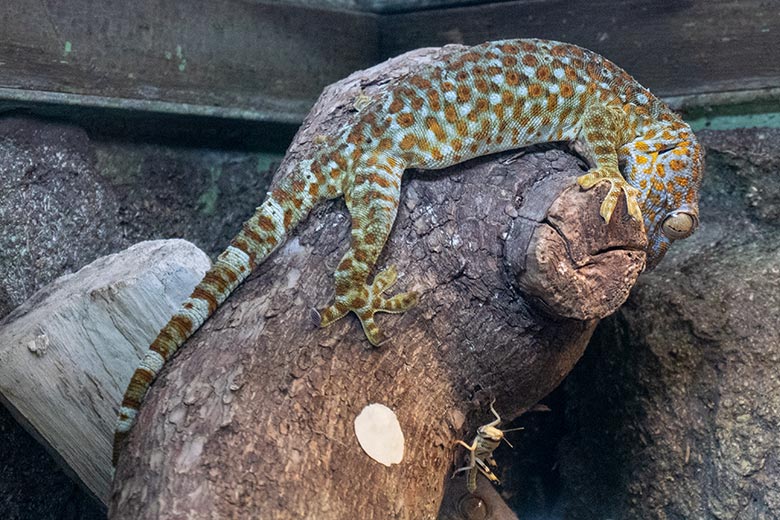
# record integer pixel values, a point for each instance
(567, 258)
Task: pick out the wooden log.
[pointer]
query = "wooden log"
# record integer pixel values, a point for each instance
(227, 59)
(67, 353)
(680, 49)
(239, 60)
(254, 417)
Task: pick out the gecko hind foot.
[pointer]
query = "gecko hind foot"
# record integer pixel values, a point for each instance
(617, 185)
(367, 301)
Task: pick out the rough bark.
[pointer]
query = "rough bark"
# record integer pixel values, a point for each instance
(254, 417)
(675, 409)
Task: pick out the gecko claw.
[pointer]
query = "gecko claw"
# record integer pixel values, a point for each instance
(617, 186)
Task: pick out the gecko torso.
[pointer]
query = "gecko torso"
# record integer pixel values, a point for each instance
(477, 101)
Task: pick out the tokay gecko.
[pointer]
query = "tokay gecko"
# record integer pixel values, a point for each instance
(476, 101)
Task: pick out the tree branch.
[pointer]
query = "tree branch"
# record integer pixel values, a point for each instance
(254, 417)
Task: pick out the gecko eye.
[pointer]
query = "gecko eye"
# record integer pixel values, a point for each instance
(679, 225)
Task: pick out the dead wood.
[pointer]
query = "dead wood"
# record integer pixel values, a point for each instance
(254, 418)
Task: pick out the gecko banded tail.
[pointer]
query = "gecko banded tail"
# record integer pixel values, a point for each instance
(260, 236)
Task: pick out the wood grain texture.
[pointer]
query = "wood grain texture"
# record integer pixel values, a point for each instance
(232, 58)
(241, 60)
(674, 48)
(68, 351)
(254, 416)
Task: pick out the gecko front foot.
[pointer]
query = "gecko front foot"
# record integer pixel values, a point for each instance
(617, 185)
(367, 300)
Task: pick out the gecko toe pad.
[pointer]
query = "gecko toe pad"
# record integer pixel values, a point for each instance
(618, 185)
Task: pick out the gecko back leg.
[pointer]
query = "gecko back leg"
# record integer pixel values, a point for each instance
(373, 203)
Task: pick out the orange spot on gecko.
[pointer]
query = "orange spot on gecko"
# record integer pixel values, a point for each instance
(485, 129)
(433, 125)
(535, 90)
(420, 82)
(594, 71)
(379, 180)
(530, 60)
(566, 90)
(336, 158)
(507, 97)
(265, 223)
(405, 120)
(450, 114)
(543, 73)
(552, 102)
(384, 144)
(464, 94)
(408, 142)
(433, 99)
(396, 105)
(512, 78)
(559, 50)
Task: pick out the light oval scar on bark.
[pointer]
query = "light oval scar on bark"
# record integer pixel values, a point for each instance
(379, 434)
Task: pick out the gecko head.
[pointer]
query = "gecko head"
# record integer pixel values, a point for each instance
(668, 174)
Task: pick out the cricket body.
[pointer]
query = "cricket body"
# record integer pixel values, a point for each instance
(475, 101)
(488, 438)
